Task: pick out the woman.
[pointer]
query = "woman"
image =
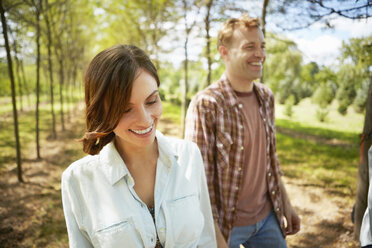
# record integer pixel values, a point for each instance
(137, 188)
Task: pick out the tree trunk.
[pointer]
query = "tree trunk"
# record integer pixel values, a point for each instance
(20, 88)
(37, 9)
(14, 103)
(25, 83)
(61, 85)
(363, 171)
(208, 39)
(185, 88)
(50, 69)
(263, 22)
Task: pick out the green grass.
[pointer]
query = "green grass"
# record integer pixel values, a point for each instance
(309, 157)
(171, 112)
(26, 126)
(304, 113)
(333, 167)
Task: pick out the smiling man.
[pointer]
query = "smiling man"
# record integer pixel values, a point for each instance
(233, 123)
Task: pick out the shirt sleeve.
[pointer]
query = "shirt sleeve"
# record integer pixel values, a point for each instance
(77, 237)
(200, 128)
(272, 117)
(208, 236)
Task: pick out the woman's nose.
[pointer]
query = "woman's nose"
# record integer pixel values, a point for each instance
(144, 116)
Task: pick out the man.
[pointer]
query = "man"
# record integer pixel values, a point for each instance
(232, 121)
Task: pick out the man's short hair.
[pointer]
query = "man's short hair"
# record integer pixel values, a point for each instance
(227, 29)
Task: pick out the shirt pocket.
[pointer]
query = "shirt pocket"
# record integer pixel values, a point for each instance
(121, 234)
(223, 144)
(185, 220)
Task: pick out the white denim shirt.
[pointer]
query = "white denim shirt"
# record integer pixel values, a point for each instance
(366, 228)
(102, 209)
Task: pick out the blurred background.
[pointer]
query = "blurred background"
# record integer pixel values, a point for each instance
(319, 66)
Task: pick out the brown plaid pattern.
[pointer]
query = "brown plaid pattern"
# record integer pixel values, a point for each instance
(215, 122)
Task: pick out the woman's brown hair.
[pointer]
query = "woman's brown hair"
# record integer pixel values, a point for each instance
(108, 85)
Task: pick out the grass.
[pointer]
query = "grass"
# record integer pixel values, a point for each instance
(27, 127)
(304, 113)
(171, 112)
(309, 157)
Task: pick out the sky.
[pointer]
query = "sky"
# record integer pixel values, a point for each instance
(323, 45)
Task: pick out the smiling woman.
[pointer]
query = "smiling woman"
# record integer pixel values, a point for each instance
(137, 188)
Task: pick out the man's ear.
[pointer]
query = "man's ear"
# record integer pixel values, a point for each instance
(223, 52)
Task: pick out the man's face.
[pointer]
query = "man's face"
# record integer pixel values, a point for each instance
(245, 55)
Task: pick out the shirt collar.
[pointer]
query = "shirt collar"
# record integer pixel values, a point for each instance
(114, 167)
(231, 97)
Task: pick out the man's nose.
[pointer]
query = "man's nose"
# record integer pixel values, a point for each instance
(260, 53)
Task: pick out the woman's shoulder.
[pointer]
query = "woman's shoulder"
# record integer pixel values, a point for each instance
(80, 167)
(179, 145)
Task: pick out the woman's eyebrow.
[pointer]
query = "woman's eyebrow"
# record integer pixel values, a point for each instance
(155, 91)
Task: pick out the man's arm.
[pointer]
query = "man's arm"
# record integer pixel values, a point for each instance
(293, 221)
(200, 128)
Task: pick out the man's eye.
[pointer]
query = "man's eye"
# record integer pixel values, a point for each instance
(127, 110)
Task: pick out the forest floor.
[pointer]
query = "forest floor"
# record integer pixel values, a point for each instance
(31, 212)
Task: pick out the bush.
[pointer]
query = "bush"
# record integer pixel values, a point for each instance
(288, 107)
(322, 114)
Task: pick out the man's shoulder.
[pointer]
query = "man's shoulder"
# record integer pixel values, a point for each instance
(214, 93)
(264, 89)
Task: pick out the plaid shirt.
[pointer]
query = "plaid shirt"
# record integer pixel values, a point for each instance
(215, 122)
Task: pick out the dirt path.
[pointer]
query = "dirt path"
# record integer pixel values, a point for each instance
(31, 213)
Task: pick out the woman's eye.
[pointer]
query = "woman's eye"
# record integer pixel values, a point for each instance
(127, 110)
(152, 102)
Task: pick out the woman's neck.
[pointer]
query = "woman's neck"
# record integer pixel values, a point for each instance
(138, 156)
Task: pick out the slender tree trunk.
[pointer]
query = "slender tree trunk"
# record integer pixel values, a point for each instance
(61, 85)
(14, 103)
(25, 83)
(37, 79)
(20, 91)
(50, 69)
(185, 88)
(207, 22)
(185, 64)
(263, 22)
(363, 171)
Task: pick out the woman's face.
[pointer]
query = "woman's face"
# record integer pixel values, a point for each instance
(137, 126)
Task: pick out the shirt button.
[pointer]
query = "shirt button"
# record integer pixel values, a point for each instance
(241, 126)
(240, 105)
(277, 209)
(219, 145)
(236, 188)
(264, 119)
(152, 240)
(273, 192)
(240, 168)
(269, 174)
(232, 209)
(242, 148)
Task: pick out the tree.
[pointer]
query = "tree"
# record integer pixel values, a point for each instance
(37, 6)
(186, 7)
(14, 103)
(50, 67)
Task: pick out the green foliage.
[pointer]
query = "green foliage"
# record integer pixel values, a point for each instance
(288, 110)
(361, 97)
(282, 66)
(323, 95)
(356, 57)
